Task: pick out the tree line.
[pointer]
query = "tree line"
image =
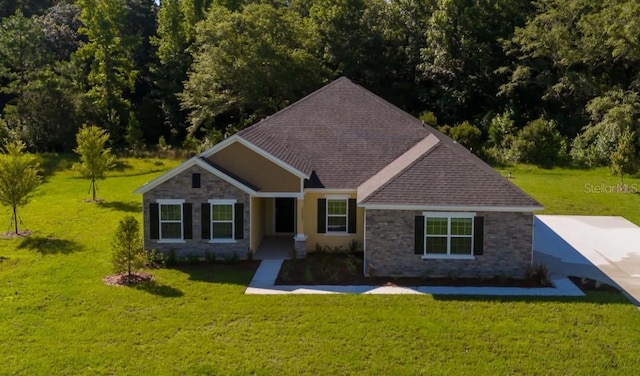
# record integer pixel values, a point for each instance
(543, 82)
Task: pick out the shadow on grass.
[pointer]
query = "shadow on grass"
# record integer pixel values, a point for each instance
(52, 162)
(158, 289)
(593, 297)
(236, 274)
(120, 165)
(130, 207)
(50, 245)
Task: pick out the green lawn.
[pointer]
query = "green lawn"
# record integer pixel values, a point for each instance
(56, 316)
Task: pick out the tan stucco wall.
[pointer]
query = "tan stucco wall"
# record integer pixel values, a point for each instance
(257, 227)
(252, 167)
(310, 211)
(268, 216)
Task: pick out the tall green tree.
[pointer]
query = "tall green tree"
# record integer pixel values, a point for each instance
(21, 58)
(570, 53)
(95, 157)
(248, 64)
(108, 54)
(174, 60)
(18, 178)
(463, 52)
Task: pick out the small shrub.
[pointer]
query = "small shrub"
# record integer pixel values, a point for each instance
(308, 274)
(454, 275)
(318, 248)
(192, 259)
(154, 259)
(354, 246)
(372, 270)
(332, 273)
(538, 273)
(285, 272)
(351, 263)
(209, 256)
(427, 273)
(231, 259)
(335, 249)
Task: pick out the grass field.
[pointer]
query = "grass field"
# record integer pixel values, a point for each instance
(57, 317)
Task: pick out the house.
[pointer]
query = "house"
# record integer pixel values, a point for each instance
(339, 165)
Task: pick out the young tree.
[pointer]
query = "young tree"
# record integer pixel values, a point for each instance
(95, 157)
(128, 251)
(623, 159)
(18, 178)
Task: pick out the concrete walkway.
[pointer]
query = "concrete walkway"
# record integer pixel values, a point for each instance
(263, 283)
(597, 247)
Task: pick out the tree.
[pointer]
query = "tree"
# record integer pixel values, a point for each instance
(95, 158)
(249, 64)
(624, 159)
(18, 178)
(128, 250)
(108, 54)
(539, 143)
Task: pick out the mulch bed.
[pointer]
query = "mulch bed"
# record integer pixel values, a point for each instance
(342, 269)
(587, 284)
(13, 235)
(132, 279)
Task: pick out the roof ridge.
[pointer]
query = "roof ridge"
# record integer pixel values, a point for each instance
(397, 109)
(296, 103)
(396, 167)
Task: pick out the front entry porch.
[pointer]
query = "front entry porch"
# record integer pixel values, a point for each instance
(275, 247)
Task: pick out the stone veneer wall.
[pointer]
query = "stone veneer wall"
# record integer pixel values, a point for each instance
(390, 246)
(211, 187)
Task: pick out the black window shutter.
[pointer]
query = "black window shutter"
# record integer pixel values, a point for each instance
(195, 180)
(187, 221)
(205, 220)
(478, 236)
(239, 221)
(322, 216)
(353, 211)
(419, 235)
(154, 221)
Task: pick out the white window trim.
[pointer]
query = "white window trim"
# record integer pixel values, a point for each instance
(231, 202)
(448, 255)
(161, 202)
(344, 198)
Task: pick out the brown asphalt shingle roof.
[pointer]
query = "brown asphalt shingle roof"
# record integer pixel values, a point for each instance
(342, 132)
(343, 135)
(445, 176)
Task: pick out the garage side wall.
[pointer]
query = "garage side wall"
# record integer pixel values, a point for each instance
(390, 246)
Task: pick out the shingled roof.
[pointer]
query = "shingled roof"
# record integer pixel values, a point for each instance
(346, 137)
(342, 132)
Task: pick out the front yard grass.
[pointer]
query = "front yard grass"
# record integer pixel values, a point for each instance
(57, 317)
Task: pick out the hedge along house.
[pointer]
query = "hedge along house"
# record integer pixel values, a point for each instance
(338, 165)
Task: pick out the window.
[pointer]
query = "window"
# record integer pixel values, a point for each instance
(448, 234)
(195, 180)
(337, 215)
(222, 220)
(170, 220)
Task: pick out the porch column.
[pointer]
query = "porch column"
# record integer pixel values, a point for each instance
(300, 240)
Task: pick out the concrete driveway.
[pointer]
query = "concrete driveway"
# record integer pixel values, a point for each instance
(602, 248)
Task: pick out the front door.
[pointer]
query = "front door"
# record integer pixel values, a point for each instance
(285, 215)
